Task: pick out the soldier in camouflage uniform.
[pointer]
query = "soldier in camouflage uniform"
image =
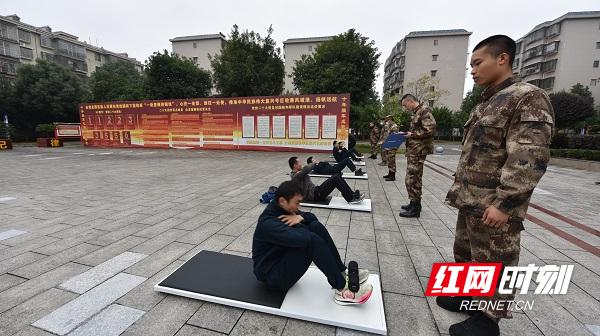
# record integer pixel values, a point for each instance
(373, 139)
(419, 143)
(384, 134)
(391, 157)
(505, 153)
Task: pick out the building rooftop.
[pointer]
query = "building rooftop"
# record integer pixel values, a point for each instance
(198, 37)
(307, 39)
(433, 33)
(568, 16)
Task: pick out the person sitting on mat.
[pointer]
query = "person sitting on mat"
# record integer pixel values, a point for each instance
(352, 144)
(325, 168)
(340, 153)
(286, 241)
(319, 193)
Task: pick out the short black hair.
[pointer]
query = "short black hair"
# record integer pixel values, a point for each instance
(287, 190)
(334, 142)
(292, 161)
(309, 160)
(409, 96)
(498, 44)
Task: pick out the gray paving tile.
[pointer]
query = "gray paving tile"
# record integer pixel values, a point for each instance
(216, 317)
(44, 265)
(398, 275)
(404, 313)
(11, 233)
(98, 274)
(255, 323)
(166, 318)
(33, 309)
(303, 328)
(8, 280)
(390, 242)
(69, 316)
(112, 321)
(30, 288)
(152, 245)
(188, 330)
(159, 260)
(19, 261)
(143, 297)
(110, 251)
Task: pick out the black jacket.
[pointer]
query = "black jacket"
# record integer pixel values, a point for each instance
(272, 238)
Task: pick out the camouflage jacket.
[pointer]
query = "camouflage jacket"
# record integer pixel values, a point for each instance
(385, 131)
(505, 150)
(374, 135)
(422, 126)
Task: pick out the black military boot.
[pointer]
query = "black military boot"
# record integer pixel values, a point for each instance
(479, 324)
(388, 174)
(413, 211)
(391, 176)
(455, 303)
(406, 207)
(373, 156)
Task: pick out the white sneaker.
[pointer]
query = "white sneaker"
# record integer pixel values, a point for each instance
(347, 297)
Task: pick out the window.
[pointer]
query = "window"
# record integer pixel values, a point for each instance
(435, 42)
(47, 56)
(431, 102)
(46, 41)
(310, 48)
(195, 45)
(69, 49)
(9, 49)
(432, 89)
(24, 36)
(547, 83)
(9, 32)
(195, 60)
(593, 82)
(433, 73)
(8, 67)
(98, 57)
(549, 66)
(434, 58)
(26, 53)
(597, 45)
(516, 64)
(596, 63)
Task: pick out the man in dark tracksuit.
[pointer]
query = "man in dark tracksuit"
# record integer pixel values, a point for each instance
(340, 153)
(286, 241)
(312, 192)
(325, 168)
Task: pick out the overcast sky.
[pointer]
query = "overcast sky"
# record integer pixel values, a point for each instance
(142, 27)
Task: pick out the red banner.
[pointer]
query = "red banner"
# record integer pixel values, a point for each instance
(279, 123)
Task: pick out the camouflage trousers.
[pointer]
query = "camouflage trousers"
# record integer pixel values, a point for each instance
(476, 242)
(374, 148)
(383, 153)
(390, 158)
(414, 176)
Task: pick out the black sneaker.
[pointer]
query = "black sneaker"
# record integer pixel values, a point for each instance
(359, 172)
(358, 160)
(479, 324)
(358, 200)
(453, 303)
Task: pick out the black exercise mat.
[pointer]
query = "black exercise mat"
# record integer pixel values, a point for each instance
(223, 275)
(325, 202)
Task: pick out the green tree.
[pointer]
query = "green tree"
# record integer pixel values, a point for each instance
(391, 106)
(583, 91)
(471, 99)
(116, 81)
(174, 77)
(345, 64)
(443, 119)
(45, 92)
(7, 104)
(425, 88)
(570, 108)
(248, 65)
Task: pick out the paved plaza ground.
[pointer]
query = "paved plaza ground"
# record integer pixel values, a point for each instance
(65, 211)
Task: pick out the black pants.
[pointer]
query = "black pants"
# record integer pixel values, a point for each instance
(348, 154)
(334, 182)
(325, 168)
(321, 250)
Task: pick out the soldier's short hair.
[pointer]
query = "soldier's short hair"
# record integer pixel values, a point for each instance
(409, 96)
(498, 44)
